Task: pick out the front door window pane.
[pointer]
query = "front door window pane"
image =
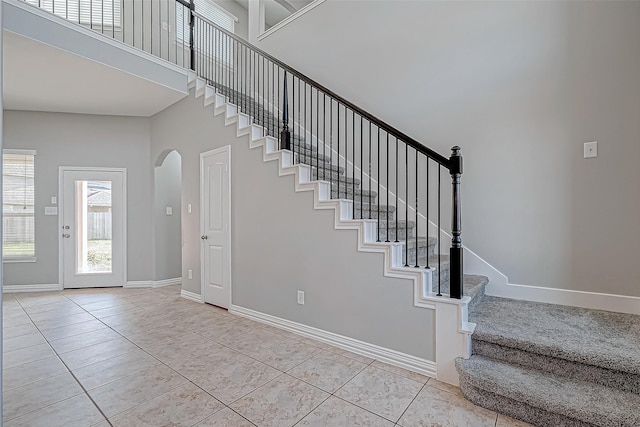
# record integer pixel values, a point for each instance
(93, 227)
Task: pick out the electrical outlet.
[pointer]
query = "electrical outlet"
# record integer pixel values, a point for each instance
(190, 274)
(590, 149)
(300, 297)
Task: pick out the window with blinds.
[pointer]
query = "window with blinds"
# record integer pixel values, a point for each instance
(220, 47)
(18, 193)
(100, 13)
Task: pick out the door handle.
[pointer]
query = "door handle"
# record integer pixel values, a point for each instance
(66, 236)
(204, 237)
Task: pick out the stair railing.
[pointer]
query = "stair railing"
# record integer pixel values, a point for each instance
(393, 180)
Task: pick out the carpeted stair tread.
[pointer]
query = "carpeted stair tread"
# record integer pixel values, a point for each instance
(583, 401)
(371, 211)
(396, 224)
(324, 168)
(348, 188)
(339, 193)
(593, 337)
(560, 367)
(474, 284)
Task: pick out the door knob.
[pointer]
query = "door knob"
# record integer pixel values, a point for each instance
(204, 237)
(66, 227)
(66, 236)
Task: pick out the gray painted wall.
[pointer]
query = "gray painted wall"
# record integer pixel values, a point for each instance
(280, 244)
(520, 86)
(83, 140)
(167, 228)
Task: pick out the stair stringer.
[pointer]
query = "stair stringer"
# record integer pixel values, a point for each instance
(453, 330)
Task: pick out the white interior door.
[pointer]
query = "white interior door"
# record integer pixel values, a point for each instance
(92, 227)
(215, 224)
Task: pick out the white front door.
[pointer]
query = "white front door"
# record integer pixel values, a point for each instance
(92, 227)
(215, 226)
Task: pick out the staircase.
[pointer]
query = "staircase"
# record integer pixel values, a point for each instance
(552, 365)
(417, 251)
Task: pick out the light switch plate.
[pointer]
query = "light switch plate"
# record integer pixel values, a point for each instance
(169, 210)
(54, 200)
(50, 210)
(590, 149)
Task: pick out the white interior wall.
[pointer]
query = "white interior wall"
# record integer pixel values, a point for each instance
(83, 140)
(520, 86)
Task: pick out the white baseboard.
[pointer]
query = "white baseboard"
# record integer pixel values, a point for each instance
(191, 296)
(592, 300)
(139, 284)
(30, 288)
(167, 282)
(392, 357)
(153, 283)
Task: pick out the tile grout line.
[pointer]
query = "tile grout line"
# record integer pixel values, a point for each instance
(161, 363)
(178, 373)
(72, 374)
(189, 381)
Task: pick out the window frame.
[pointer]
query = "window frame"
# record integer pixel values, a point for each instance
(20, 258)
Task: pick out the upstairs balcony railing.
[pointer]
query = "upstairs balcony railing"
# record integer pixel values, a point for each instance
(393, 180)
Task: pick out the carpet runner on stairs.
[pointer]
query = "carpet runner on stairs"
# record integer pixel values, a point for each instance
(553, 365)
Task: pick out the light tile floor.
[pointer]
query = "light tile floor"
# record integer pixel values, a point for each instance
(146, 357)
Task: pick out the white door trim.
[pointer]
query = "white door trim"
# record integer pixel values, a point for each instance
(61, 171)
(227, 149)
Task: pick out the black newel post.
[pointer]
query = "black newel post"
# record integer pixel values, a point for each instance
(285, 134)
(456, 278)
(192, 24)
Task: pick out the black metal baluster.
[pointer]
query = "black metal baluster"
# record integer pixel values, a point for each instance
(353, 160)
(346, 156)
(397, 185)
(331, 145)
(406, 204)
(192, 24)
(406, 200)
(293, 100)
(308, 150)
(272, 99)
(439, 265)
(317, 134)
(427, 213)
(362, 165)
(150, 25)
(264, 103)
(417, 172)
(299, 123)
(338, 157)
(379, 178)
(278, 91)
(324, 137)
(370, 171)
(388, 185)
